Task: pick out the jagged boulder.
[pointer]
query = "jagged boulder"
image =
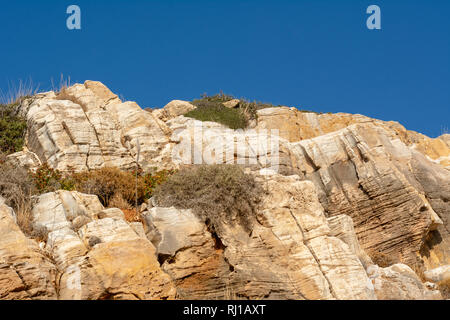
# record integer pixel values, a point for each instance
(396, 196)
(25, 272)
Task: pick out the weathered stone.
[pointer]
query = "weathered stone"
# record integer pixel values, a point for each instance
(359, 171)
(341, 227)
(56, 210)
(87, 127)
(399, 282)
(25, 272)
(170, 229)
(26, 159)
(288, 255)
(80, 221)
(234, 103)
(107, 230)
(439, 275)
(174, 109)
(446, 139)
(295, 125)
(113, 213)
(352, 185)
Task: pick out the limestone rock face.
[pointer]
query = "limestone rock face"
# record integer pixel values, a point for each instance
(341, 227)
(340, 190)
(295, 125)
(25, 272)
(399, 282)
(446, 139)
(101, 257)
(288, 255)
(173, 109)
(87, 127)
(24, 159)
(126, 270)
(361, 172)
(234, 103)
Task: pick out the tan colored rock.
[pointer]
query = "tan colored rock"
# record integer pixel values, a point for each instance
(174, 109)
(118, 270)
(80, 221)
(105, 258)
(399, 282)
(25, 272)
(296, 125)
(446, 139)
(394, 194)
(107, 230)
(26, 159)
(88, 127)
(113, 213)
(232, 103)
(341, 227)
(439, 275)
(56, 210)
(359, 171)
(66, 247)
(288, 255)
(170, 229)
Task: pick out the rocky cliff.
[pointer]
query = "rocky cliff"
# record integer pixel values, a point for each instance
(342, 191)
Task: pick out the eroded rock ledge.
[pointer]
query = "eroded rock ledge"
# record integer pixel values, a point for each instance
(348, 188)
(292, 252)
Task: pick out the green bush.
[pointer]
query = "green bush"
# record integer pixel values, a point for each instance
(217, 194)
(212, 109)
(12, 129)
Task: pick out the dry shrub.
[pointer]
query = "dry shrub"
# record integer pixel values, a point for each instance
(17, 187)
(217, 194)
(115, 187)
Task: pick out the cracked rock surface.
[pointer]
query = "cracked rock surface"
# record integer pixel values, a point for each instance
(345, 189)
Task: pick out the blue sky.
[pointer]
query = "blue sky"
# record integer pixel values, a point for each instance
(316, 55)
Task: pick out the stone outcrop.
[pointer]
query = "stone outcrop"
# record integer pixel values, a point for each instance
(440, 275)
(341, 190)
(446, 139)
(25, 271)
(173, 109)
(395, 195)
